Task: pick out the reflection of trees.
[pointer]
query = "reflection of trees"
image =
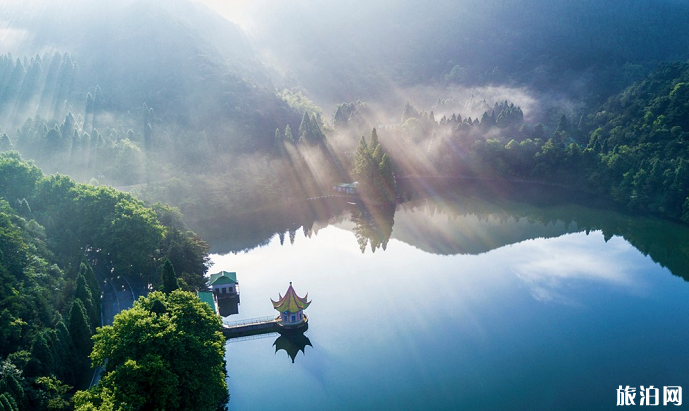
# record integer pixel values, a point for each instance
(292, 343)
(243, 232)
(373, 226)
(508, 202)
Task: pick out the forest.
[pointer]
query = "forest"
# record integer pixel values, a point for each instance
(59, 240)
(128, 127)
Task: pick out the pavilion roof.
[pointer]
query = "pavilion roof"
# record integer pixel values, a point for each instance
(291, 302)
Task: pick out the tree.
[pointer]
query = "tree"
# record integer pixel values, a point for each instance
(166, 352)
(7, 403)
(170, 281)
(10, 385)
(80, 331)
(277, 142)
(375, 146)
(41, 362)
(5, 143)
(288, 134)
(57, 392)
(373, 171)
(387, 179)
(309, 130)
(83, 293)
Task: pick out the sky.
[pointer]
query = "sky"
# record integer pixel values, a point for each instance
(237, 11)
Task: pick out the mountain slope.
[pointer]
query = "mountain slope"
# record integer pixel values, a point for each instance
(177, 57)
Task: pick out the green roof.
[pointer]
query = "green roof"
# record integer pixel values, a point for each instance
(223, 277)
(207, 297)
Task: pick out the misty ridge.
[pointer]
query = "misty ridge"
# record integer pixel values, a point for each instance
(177, 104)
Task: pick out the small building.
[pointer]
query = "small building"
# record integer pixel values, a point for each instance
(346, 188)
(225, 292)
(291, 308)
(224, 284)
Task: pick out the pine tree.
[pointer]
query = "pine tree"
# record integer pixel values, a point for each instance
(288, 134)
(90, 277)
(5, 143)
(170, 281)
(10, 385)
(65, 348)
(7, 403)
(387, 177)
(373, 171)
(562, 124)
(80, 329)
(409, 112)
(42, 361)
(83, 293)
(305, 128)
(374, 140)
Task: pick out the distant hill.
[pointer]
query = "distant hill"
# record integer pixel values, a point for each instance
(640, 136)
(194, 68)
(344, 51)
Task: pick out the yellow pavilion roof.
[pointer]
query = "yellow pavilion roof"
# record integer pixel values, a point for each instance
(291, 302)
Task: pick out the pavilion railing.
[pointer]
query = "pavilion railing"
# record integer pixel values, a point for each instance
(249, 321)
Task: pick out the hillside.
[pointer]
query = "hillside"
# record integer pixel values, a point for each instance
(193, 68)
(377, 51)
(60, 243)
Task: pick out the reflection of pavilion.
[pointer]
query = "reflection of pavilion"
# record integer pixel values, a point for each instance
(292, 342)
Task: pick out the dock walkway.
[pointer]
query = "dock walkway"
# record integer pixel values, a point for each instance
(251, 326)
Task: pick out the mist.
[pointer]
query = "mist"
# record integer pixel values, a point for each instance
(188, 102)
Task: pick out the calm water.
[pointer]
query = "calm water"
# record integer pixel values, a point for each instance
(466, 303)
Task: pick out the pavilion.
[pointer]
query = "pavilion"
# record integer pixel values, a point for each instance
(291, 308)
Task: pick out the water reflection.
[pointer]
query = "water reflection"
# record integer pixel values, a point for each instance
(373, 226)
(460, 218)
(228, 306)
(292, 342)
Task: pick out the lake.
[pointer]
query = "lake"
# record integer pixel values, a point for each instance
(513, 298)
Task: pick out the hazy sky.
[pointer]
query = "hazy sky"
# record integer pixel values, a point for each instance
(237, 11)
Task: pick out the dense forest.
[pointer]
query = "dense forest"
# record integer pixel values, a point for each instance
(59, 240)
(123, 125)
(203, 123)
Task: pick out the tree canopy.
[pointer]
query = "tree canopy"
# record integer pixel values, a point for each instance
(165, 353)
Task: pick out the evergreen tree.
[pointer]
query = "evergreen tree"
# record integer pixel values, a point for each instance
(83, 293)
(288, 134)
(305, 128)
(5, 143)
(409, 112)
(170, 281)
(62, 352)
(374, 140)
(373, 171)
(387, 178)
(8, 403)
(42, 361)
(80, 330)
(23, 208)
(562, 124)
(87, 271)
(10, 385)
